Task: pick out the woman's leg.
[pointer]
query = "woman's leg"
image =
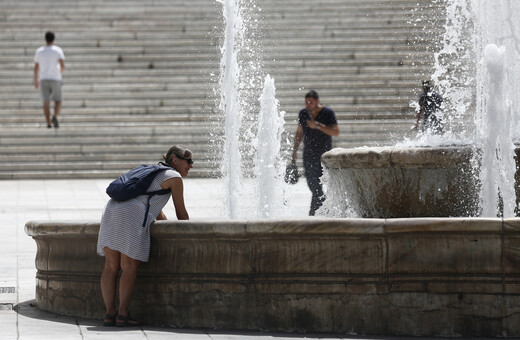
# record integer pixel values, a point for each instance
(129, 268)
(109, 279)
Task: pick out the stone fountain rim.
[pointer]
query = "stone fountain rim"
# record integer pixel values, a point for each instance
(441, 157)
(304, 227)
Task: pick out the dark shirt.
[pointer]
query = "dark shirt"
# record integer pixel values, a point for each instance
(316, 142)
(430, 102)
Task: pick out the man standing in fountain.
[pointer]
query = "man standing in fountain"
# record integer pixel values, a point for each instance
(429, 103)
(317, 125)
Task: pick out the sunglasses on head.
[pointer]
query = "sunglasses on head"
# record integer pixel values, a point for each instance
(186, 159)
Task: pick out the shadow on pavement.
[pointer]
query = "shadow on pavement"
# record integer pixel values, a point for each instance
(29, 309)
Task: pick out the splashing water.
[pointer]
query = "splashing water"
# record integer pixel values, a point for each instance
(498, 168)
(249, 135)
(477, 70)
(269, 170)
(454, 74)
(230, 104)
(498, 94)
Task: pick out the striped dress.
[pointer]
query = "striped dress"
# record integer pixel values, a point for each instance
(122, 222)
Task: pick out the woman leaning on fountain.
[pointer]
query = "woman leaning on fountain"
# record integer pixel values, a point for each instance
(124, 239)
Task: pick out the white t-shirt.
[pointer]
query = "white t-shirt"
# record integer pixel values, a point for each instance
(47, 57)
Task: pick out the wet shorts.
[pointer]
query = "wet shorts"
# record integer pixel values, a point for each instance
(51, 90)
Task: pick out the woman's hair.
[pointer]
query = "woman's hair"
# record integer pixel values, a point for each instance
(178, 151)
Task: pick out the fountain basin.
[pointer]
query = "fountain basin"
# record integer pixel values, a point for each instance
(419, 277)
(393, 182)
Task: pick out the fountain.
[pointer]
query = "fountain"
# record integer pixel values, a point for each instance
(269, 166)
(261, 195)
(230, 104)
(391, 182)
(387, 276)
(470, 170)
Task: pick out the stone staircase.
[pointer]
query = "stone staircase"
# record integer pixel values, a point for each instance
(141, 76)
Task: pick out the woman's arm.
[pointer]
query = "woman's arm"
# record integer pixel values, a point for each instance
(161, 216)
(177, 188)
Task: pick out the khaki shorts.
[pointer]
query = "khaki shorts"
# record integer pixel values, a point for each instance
(50, 90)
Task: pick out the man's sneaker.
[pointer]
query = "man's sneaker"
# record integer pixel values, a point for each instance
(55, 122)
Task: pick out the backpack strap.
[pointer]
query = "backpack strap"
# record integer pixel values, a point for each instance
(156, 192)
(150, 194)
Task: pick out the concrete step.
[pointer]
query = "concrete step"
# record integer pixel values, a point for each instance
(146, 106)
(354, 87)
(172, 138)
(154, 149)
(157, 70)
(159, 43)
(89, 173)
(120, 121)
(143, 115)
(95, 37)
(75, 97)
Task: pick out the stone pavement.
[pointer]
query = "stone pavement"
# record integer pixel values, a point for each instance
(25, 200)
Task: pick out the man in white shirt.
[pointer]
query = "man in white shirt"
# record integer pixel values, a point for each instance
(49, 63)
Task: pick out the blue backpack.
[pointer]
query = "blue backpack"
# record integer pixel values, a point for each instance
(136, 182)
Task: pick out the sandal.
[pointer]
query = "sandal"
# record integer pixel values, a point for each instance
(110, 320)
(126, 321)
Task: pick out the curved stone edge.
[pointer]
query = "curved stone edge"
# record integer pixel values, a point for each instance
(235, 228)
(316, 275)
(445, 225)
(402, 157)
(62, 228)
(302, 226)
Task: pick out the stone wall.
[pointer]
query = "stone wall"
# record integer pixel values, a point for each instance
(420, 277)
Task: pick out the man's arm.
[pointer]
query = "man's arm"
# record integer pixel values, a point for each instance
(331, 130)
(62, 65)
(36, 71)
(297, 139)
